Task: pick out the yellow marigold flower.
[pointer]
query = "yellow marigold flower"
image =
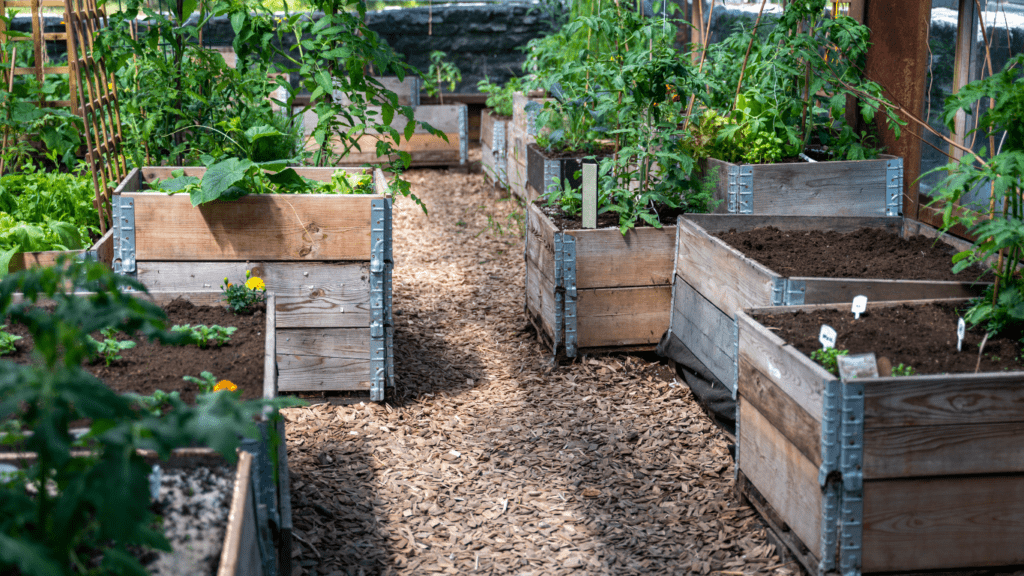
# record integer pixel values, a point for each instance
(255, 283)
(225, 385)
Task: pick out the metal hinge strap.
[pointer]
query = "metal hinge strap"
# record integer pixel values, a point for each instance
(559, 293)
(746, 189)
(552, 176)
(414, 92)
(389, 258)
(378, 316)
(894, 187)
(736, 360)
(830, 452)
(795, 291)
(851, 467)
(124, 235)
(779, 291)
(569, 278)
(463, 134)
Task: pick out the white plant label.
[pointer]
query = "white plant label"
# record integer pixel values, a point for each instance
(827, 336)
(961, 329)
(860, 304)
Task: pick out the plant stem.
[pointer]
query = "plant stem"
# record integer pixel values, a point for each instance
(743, 68)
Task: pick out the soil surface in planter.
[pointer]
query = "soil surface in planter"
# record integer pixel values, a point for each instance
(921, 336)
(864, 253)
(563, 221)
(150, 366)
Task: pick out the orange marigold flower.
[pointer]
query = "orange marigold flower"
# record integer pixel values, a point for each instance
(225, 385)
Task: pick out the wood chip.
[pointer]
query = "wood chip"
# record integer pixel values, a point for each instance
(489, 459)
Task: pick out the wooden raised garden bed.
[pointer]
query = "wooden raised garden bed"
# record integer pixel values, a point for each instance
(102, 250)
(543, 172)
(887, 474)
(597, 289)
(713, 281)
(834, 188)
(494, 146)
(522, 132)
(327, 258)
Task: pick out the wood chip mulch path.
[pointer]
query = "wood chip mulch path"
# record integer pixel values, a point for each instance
(490, 460)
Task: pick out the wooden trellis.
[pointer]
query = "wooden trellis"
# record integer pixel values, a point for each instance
(97, 103)
(93, 95)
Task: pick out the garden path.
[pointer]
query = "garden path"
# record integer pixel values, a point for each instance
(490, 460)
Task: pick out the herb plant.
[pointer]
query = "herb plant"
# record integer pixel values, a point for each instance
(204, 335)
(440, 73)
(69, 506)
(829, 358)
(244, 298)
(499, 97)
(205, 382)
(110, 347)
(7, 340)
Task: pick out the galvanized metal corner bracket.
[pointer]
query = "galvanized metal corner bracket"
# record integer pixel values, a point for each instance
(559, 294)
(894, 187)
(124, 235)
(827, 474)
(740, 191)
(552, 175)
(851, 464)
(463, 134)
(379, 256)
(569, 278)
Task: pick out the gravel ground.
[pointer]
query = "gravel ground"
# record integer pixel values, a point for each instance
(491, 460)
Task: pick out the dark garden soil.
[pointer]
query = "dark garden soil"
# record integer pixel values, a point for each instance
(923, 337)
(864, 253)
(563, 221)
(606, 150)
(149, 366)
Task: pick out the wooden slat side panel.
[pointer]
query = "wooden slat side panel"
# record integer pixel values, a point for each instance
(131, 183)
(487, 128)
(256, 227)
(728, 279)
(487, 162)
(705, 330)
(540, 300)
(607, 259)
(944, 399)
(104, 248)
(792, 421)
(987, 448)
(323, 359)
(854, 188)
(540, 241)
(623, 316)
(787, 480)
(830, 290)
(957, 522)
(309, 294)
(716, 223)
(792, 372)
(25, 260)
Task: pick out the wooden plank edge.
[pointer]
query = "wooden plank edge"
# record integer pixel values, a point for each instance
(756, 311)
(231, 550)
(776, 526)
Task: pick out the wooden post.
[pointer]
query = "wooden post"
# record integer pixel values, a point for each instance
(966, 34)
(898, 60)
(590, 195)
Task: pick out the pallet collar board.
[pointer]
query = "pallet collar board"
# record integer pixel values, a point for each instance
(713, 281)
(493, 147)
(841, 188)
(331, 272)
(863, 471)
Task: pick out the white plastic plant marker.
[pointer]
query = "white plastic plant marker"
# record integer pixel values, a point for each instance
(590, 195)
(827, 336)
(860, 304)
(856, 366)
(961, 329)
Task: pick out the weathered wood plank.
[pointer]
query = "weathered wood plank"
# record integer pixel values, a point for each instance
(792, 372)
(104, 249)
(723, 275)
(148, 174)
(776, 525)
(622, 316)
(540, 300)
(944, 399)
(487, 121)
(517, 180)
(240, 534)
(197, 297)
(607, 259)
(540, 241)
(837, 188)
(947, 450)
(270, 350)
(309, 294)
(826, 290)
(786, 479)
(872, 305)
(255, 227)
(707, 332)
(785, 415)
(323, 359)
(716, 223)
(937, 523)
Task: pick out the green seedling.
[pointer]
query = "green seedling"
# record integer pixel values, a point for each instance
(829, 358)
(109, 348)
(205, 382)
(7, 341)
(203, 335)
(903, 370)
